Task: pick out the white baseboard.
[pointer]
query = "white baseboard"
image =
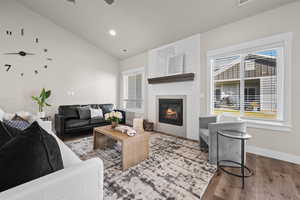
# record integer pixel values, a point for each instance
(273, 154)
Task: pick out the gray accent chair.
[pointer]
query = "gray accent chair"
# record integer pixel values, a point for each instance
(229, 149)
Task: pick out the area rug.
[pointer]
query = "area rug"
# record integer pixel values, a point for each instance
(176, 169)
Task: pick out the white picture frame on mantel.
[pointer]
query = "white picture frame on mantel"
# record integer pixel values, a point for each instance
(175, 64)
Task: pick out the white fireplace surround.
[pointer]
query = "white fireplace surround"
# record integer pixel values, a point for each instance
(190, 90)
(169, 128)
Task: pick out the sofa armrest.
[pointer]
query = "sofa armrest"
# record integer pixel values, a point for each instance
(204, 121)
(59, 125)
(123, 121)
(78, 182)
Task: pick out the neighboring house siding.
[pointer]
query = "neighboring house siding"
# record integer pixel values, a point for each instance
(262, 68)
(260, 83)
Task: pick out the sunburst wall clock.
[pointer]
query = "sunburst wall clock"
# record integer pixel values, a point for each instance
(39, 56)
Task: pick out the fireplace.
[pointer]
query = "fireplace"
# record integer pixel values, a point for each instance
(171, 111)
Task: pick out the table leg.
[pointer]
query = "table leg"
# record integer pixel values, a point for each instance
(134, 151)
(101, 141)
(217, 151)
(243, 162)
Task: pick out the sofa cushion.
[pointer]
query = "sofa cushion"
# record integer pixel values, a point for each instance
(32, 154)
(75, 123)
(84, 112)
(69, 112)
(97, 120)
(106, 108)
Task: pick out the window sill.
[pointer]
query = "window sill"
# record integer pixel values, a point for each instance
(275, 126)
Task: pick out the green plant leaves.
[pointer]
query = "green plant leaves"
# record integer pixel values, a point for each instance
(41, 100)
(47, 94)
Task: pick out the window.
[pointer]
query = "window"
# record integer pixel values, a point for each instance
(248, 80)
(133, 90)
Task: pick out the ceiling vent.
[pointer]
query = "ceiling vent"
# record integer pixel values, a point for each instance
(243, 2)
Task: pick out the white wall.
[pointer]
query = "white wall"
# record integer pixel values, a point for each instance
(137, 61)
(77, 66)
(280, 20)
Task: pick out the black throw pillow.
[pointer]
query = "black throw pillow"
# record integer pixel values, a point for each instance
(5, 136)
(31, 154)
(84, 112)
(12, 130)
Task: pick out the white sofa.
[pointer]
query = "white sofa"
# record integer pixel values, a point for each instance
(79, 180)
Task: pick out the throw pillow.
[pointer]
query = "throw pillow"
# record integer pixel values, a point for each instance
(18, 124)
(96, 113)
(107, 108)
(5, 136)
(8, 116)
(84, 112)
(11, 130)
(24, 115)
(32, 154)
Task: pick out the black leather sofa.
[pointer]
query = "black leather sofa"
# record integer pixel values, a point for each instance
(67, 121)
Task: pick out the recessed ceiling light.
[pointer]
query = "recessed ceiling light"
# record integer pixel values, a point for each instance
(112, 32)
(243, 2)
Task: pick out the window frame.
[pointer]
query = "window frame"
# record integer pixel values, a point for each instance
(125, 75)
(281, 41)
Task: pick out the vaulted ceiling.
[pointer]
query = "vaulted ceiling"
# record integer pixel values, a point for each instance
(144, 24)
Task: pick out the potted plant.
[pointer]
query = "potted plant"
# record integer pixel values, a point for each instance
(114, 118)
(41, 101)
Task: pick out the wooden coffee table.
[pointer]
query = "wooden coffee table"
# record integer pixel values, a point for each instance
(134, 149)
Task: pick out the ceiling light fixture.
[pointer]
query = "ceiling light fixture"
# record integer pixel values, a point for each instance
(109, 2)
(71, 1)
(243, 2)
(112, 32)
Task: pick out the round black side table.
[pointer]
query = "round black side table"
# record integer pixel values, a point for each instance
(237, 135)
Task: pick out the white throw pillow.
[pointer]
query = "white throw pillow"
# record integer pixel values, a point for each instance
(24, 115)
(8, 116)
(2, 113)
(96, 113)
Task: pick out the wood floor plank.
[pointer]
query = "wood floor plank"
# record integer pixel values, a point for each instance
(272, 180)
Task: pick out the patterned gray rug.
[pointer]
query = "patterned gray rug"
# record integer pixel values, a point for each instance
(177, 169)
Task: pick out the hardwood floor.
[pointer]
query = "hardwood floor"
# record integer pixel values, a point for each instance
(272, 180)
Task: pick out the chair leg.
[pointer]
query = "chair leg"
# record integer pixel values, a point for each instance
(203, 146)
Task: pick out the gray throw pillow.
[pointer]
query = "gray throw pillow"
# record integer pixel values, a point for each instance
(84, 112)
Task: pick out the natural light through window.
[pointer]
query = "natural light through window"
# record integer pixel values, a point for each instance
(249, 84)
(133, 91)
(251, 91)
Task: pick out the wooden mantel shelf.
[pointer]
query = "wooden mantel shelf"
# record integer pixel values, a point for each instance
(172, 78)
